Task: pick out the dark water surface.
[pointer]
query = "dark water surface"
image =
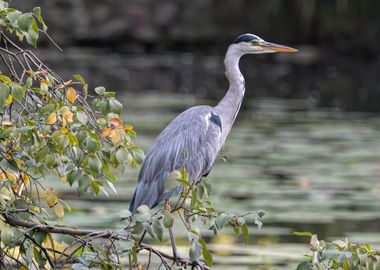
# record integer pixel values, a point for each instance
(310, 170)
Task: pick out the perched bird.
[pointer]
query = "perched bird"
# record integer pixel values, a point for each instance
(194, 138)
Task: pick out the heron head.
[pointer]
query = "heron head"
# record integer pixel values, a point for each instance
(252, 44)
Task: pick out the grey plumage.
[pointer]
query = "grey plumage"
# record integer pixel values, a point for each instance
(190, 140)
(194, 138)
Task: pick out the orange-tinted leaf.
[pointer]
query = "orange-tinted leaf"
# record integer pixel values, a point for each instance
(71, 94)
(106, 132)
(69, 116)
(116, 122)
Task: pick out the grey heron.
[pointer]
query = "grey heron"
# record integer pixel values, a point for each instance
(194, 138)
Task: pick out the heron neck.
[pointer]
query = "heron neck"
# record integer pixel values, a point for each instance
(229, 106)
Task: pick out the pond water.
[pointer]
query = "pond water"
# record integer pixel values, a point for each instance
(310, 170)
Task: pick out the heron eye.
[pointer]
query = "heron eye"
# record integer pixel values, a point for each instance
(255, 43)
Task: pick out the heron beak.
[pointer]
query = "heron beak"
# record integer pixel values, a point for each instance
(278, 48)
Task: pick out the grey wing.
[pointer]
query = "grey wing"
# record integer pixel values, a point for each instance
(191, 140)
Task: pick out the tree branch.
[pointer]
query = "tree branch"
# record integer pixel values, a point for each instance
(15, 221)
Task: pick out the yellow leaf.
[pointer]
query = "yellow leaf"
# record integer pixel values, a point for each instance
(6, 123)
(106, 132)
(69, 116)
(52, 119)
(115, 136)
(63, 178)
(44, 86)
(59, 211)
(64, 109)
(25, 178)
(128, 127)
(9, 100)
(71, 95)
(51, 199)
(64, 123)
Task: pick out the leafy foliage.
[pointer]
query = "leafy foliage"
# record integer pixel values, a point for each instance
(339, 254)
(47, 125)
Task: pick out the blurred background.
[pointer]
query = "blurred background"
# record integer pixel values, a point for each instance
(305, 146)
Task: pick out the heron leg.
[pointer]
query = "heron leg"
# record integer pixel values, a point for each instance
(172, 238)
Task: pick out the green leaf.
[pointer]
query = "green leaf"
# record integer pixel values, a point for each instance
(82, 117)
(94, 164)
(79, 78)
(84, 182)
(40, 237)
(50, 161)
(305, 266)
(4, 93)
(103, 106)
(206, 253)
(245, 232)
(82, 137)
(13, 17)
(92, 146)
(37, 12)
(17, 92)
(6, 234)
(25, 21)
(168, 219)
(194, 252)
(122, 155)
(115, 106)
(158, 230)
(194, 199)
(138, 228)
(100, 90)
(42, 153)
(32, 34)
(73, 176)
(62, 142)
